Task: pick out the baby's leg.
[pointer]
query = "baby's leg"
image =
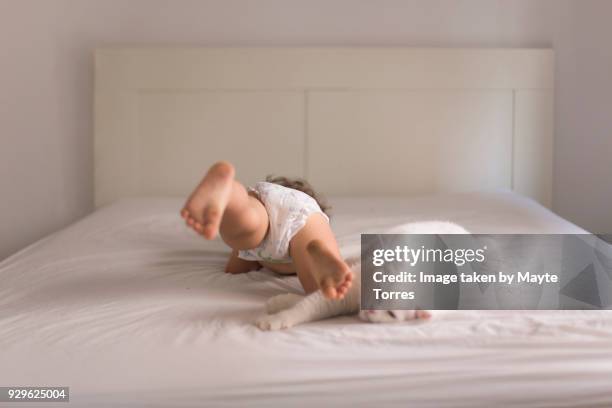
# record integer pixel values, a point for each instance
(222, 205)
(317, 259)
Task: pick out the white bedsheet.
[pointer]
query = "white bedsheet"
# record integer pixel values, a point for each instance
(130, 308)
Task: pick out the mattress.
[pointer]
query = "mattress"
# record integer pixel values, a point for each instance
(130, 308)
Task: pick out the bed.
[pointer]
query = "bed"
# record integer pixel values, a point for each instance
(130, 308)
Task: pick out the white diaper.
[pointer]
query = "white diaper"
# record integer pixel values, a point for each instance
(288, 209)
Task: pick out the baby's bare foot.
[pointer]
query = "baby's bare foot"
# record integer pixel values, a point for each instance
(204, 208)
(332, 274)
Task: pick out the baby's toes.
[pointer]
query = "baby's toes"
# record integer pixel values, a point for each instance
(343, 288)
(348, 277)
(190, 221)
(328, 288)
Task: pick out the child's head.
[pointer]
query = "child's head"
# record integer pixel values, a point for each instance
(301, 185)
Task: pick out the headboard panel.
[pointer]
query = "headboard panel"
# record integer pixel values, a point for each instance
(353, 121)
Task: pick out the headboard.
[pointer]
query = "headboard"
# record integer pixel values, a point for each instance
(353, 121)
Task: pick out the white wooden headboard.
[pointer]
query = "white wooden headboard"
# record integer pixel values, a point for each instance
(353, 121)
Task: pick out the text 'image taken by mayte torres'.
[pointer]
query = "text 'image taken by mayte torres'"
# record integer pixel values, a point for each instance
(465, 271)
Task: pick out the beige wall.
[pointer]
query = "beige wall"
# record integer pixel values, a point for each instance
(46, 80)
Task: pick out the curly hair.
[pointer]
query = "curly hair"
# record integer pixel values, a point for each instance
(300, 185)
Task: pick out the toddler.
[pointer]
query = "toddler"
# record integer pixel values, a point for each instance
(279, 224)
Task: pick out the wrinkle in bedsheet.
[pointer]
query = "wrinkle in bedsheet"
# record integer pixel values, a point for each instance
(130, 308)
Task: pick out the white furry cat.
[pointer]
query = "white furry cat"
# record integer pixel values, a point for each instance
(290, 309)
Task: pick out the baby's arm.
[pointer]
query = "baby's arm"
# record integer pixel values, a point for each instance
(238, 265)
